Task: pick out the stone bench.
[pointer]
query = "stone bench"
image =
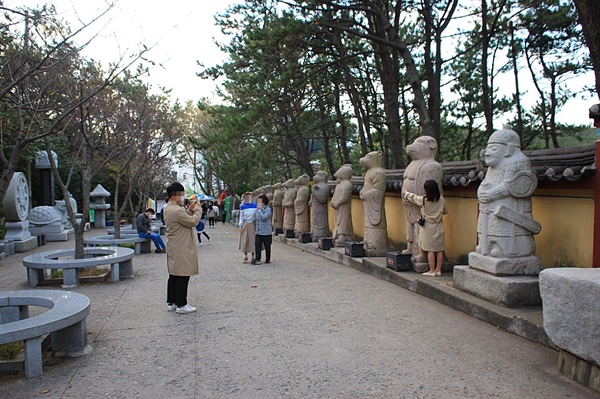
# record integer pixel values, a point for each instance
(119, 259)
(65, 322)
(129, 229)
(571, 306)
(141, 245)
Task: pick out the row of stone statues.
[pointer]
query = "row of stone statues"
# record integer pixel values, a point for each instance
(505, 226)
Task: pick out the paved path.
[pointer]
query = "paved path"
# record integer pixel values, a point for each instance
(301, 327)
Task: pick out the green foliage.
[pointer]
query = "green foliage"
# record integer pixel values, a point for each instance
(11, 350)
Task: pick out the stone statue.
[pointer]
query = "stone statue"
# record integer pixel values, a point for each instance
(341, 202)
(505, 227)
(373, 197)
(277, 212)
(289, 196)
(422, 167)
(301, 204)
(318, 204)
(46, 219)
(256, 193)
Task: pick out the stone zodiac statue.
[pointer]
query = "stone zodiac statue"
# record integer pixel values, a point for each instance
(505, 226)
(277, 211)
(301, 204)
(373, 197)
(341, 203)
(319, 226)
(422, 167)
(289, 196)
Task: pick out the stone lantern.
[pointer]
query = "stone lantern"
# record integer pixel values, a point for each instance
(99, 205)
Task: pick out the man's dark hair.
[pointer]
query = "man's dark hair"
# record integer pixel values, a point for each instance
(433, 190)
(265, 199)
(150, 210)
(174, 188)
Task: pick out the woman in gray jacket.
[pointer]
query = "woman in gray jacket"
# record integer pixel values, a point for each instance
(264, 231)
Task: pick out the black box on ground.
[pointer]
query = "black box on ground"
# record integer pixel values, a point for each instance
(305, 237)
(278, 231)
(399, 262)
(325, 243)
(354, 249)
(290, 234)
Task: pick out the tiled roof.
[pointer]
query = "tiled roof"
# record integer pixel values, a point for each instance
(569, 164)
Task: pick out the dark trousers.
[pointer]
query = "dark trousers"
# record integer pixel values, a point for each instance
(177, 287)
(259, 241)
(211, 221)
(200, 236)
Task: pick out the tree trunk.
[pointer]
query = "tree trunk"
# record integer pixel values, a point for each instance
(485, 88)
(589, 17)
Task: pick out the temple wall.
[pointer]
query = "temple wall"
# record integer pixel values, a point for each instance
(567, 218)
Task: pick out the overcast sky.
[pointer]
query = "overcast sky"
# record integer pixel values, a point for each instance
(183, 32)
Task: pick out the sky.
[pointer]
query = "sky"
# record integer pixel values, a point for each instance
(182, 32)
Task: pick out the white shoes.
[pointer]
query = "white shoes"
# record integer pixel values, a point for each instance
(171, 307)
(186, 309)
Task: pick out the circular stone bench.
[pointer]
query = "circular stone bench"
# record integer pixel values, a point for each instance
(142, 245)
(65, 322)
(129, 229)
(119, 259)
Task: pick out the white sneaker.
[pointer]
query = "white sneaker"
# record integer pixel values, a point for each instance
(209, 240)
(171, 307)
(186, 309)
(199, 243)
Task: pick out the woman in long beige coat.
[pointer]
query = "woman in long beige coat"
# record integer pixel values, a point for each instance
(431, 234)
(182, 256)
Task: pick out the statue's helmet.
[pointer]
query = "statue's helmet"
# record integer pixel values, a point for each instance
(505, 136)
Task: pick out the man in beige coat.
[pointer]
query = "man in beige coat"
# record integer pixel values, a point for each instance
(182, 253)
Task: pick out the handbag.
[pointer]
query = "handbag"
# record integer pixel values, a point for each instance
(421, 220)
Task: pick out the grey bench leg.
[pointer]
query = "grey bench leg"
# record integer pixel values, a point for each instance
(70, 278)
(70, 339)
(145, 247)
(35, 276)
(114, 272)
(33, 357)
(8, 314)
(126, 269)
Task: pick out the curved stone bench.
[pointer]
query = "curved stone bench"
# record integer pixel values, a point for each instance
(119, 259)
(141, 244)
(65, 322)
(129, 229)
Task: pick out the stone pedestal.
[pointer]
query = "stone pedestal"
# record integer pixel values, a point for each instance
(17, 231)
(26, 245)
(9, 246)
(509, 291)
(375, 253)
(62, 236)
(527, 265)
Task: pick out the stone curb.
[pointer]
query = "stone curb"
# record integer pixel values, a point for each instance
(524, 322)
